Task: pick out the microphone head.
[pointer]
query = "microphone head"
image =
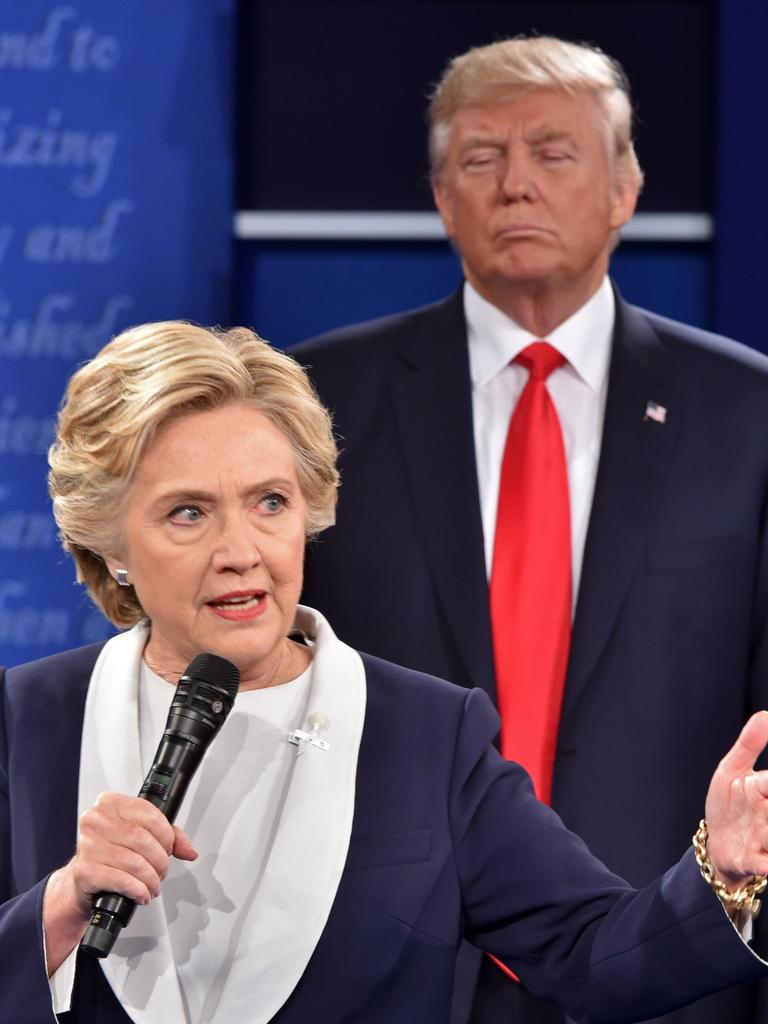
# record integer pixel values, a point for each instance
(204, 697)
(216, 671)
(317, 720)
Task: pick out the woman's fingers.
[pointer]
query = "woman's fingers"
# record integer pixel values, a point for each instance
(182, 847)
(124, 845)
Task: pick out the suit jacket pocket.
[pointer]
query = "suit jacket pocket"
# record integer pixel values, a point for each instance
(694, 554)
(389, 850)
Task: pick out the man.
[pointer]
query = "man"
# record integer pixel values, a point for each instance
(500, 520)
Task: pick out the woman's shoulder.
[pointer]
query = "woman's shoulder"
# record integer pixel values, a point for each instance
(407, 691)
(386, 673)
(425, 726)
(47, 696)
(74, 664)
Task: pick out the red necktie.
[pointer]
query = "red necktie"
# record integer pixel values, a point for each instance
(530, 589)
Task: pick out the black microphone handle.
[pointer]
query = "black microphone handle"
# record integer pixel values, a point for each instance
(203, 699)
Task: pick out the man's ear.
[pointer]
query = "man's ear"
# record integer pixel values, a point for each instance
(623, 202)
(443, 203)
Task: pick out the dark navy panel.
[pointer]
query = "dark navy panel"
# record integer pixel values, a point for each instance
(291, 291)
(672, 279)
(742, 171)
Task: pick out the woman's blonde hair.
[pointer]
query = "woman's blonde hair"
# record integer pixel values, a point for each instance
(515, 66)
(115, 404)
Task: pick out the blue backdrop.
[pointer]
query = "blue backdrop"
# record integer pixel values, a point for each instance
(115, 173)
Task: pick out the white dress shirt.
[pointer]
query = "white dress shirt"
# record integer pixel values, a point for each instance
(578, 389)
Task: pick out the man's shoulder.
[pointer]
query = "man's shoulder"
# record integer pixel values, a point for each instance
(382, 336)
(695, 347)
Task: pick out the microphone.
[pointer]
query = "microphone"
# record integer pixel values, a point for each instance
(203, 699)
(300, 737)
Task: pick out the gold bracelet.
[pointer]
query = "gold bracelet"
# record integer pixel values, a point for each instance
(747, 897)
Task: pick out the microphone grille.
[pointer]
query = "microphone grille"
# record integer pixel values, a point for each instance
(210, 668)
(317, 720)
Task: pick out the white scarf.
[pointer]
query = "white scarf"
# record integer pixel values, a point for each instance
(301, 878)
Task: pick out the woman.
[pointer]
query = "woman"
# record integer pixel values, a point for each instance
(334, 875)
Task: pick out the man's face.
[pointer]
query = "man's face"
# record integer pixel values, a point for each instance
(527, 193)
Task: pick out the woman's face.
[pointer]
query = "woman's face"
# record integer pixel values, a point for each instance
(213, 541)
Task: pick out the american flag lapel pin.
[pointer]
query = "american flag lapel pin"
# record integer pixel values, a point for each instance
(655, 412)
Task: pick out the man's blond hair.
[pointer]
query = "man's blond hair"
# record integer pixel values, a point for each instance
(513, 67)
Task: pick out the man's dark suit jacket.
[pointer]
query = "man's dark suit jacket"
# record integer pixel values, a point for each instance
(668, 651)
(447, 839)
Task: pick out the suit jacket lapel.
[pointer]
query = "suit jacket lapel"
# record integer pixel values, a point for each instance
(433, 409)
(634, 460)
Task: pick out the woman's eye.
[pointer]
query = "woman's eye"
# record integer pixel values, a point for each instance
(273, 502)
(186, 514)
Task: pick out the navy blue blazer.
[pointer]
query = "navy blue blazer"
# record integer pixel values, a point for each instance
(669, 652)
(447, 841)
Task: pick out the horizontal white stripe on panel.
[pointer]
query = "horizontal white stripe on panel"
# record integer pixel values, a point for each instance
(317, 224)
(310, 225)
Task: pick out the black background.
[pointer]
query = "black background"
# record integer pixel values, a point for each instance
(332, 95)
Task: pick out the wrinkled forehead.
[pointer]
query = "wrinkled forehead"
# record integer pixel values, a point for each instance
(532, 111)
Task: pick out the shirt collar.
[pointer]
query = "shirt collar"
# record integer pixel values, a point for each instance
(584, 339)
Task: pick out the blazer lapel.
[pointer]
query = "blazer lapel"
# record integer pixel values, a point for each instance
(433, 409)
(634, 459)
(278, 933)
